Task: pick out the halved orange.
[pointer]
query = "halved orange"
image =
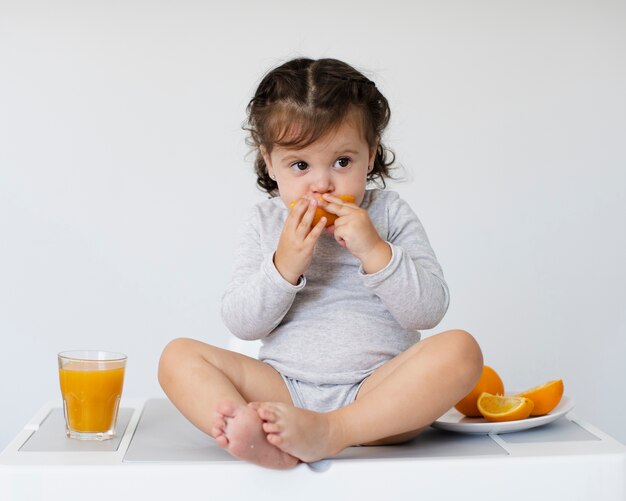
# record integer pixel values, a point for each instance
(320, 213)
(499, 408)
(545, 396)
(489, 382)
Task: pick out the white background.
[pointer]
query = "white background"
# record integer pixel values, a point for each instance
(124, 177)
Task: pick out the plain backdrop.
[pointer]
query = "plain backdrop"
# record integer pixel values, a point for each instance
(124, 175)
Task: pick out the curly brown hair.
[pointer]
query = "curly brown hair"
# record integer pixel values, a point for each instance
(316, 95)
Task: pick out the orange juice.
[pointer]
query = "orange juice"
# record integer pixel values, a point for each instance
(91, 396)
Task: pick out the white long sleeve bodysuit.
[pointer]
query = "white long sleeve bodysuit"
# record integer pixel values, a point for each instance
(338, 324)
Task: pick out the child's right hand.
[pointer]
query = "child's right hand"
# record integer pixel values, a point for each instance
(297, 241)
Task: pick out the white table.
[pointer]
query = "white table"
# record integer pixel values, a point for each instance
(159, 455)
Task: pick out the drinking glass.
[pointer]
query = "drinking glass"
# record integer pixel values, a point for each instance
(91, 386)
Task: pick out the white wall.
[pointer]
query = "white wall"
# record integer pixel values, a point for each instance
(123, 177)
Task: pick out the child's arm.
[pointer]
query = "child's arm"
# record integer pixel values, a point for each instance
(412, 286)
(354, 230)
(258, 297)
(297, 241)
(410, 283)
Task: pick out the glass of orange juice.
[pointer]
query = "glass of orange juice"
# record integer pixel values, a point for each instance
(91, 386)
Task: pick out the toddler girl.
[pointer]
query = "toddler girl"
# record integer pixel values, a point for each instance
(337, 308)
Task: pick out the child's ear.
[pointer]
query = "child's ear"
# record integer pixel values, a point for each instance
(267, 159)
(372, 158)
(265, 155)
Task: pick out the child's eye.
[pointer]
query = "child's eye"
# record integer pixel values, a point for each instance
(342, 163)
(299, 166)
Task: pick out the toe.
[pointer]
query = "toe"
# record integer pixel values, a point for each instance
(271, 427)
(267, 415)
(219, 421)
(226, 408)
(275, 439)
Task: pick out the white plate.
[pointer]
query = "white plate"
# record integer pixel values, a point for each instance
(453, 420)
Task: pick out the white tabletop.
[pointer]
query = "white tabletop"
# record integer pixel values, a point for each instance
(159, 455)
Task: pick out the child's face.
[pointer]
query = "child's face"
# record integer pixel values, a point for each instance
(336, 164)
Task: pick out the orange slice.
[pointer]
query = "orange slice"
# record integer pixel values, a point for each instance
(489, 382)
(545, 396)
(320, 213)
(499, 408)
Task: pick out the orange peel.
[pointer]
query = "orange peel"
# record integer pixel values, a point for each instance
(320, 213)
(489, 382)
(545, 397)
(498, 408)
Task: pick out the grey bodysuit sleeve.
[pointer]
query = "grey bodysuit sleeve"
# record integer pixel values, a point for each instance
(258, 297)
(411, 286)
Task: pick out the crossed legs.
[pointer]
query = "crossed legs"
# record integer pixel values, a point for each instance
(212, 388)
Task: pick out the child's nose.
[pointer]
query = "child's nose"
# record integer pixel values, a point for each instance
(322, 182)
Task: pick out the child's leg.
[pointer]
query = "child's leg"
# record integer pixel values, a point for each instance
(211, 387)
(394, 404)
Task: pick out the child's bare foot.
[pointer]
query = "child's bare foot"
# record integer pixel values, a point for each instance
(304, 434)
(238, 429)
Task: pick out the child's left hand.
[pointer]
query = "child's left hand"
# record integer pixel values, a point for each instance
(354, 230)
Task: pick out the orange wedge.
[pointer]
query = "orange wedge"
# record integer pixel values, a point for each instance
(499, 408)
(545, 396)
(320, 213)
(489, 382)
